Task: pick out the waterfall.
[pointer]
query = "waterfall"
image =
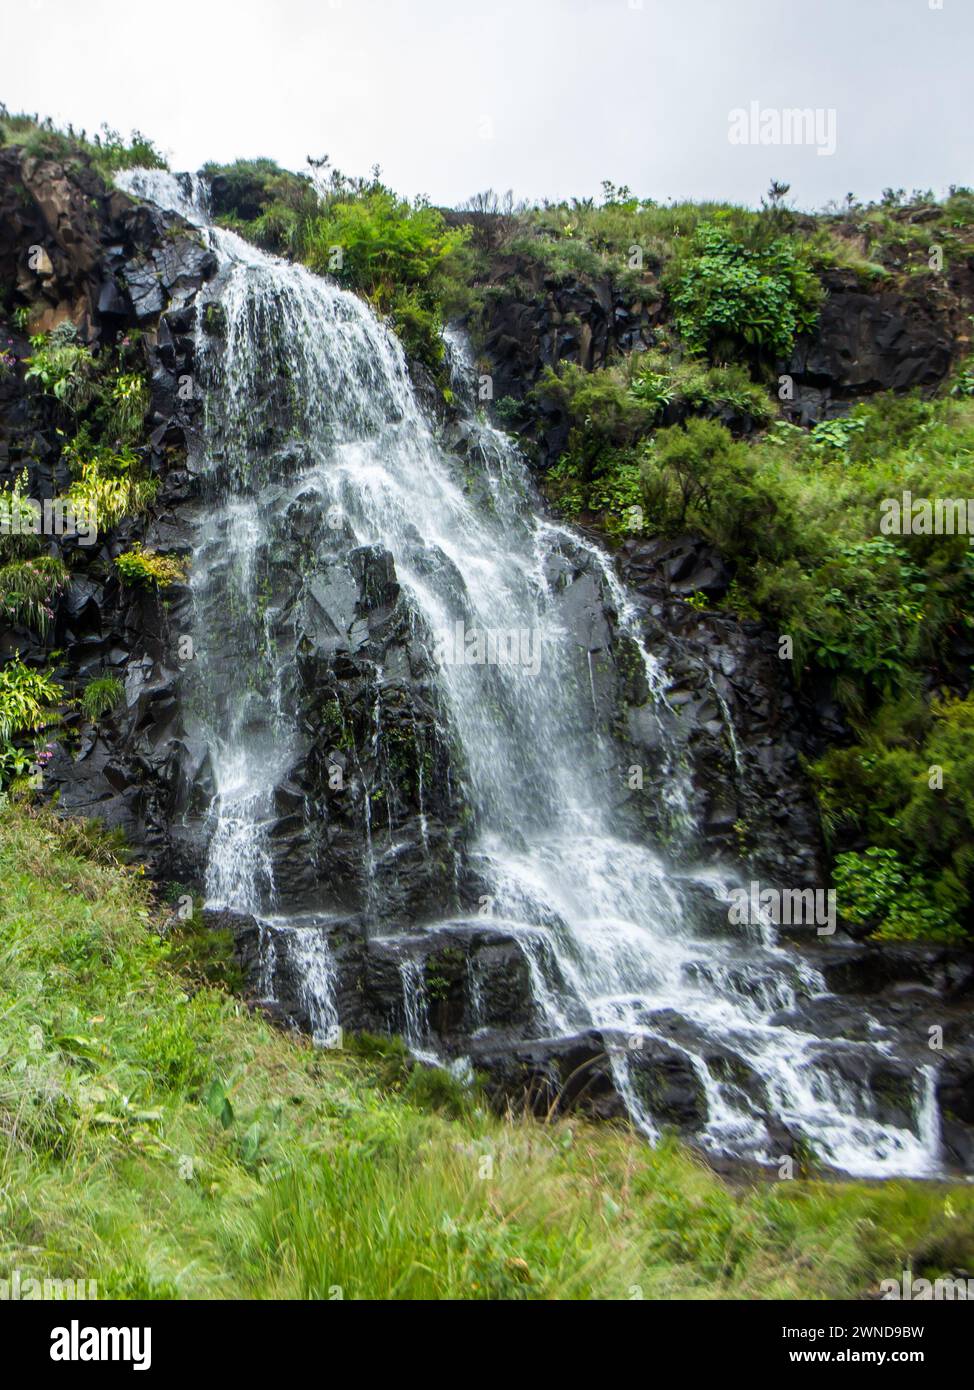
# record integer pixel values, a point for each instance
(314, 443)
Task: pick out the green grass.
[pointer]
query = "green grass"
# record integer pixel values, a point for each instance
(107, 150)
(101, 695)
(158, 1138)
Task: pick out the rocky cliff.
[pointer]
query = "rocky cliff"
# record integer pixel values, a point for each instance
(73, 250)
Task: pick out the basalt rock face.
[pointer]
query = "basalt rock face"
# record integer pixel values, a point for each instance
(866, 340)
(447, 984)
(733, 709)
(371, 817)
(80, 252)
(546, 320)
(535, 320)
(879, 340)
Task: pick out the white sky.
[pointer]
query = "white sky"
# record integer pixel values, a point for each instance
(547, 97)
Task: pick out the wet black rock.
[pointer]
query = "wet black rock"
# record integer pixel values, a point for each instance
(556, 1076)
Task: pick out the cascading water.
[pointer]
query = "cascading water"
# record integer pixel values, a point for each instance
(610, 933)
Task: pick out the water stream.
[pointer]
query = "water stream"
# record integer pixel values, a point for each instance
(309, 397)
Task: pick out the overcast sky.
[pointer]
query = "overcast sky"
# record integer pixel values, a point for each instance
(548, 97)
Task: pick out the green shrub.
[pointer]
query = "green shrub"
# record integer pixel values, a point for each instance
(28, 699)
(389, 250)
(418, 325)
(109, 483)
(113, 152)
(964, 380)
(148, 568)
(653, 389)
(859, 615)
(401, 256)
(602, 410)
(659, 382)
(130, 401)
(835, 436)
(101, 695)
(735, 293)
(107, 150)
(728, 387)
(434, 1088)
(64, 367)
(875, 889)
(17, 519)
(697, 476)
(615, 494)
(29, 589)
(905, 788)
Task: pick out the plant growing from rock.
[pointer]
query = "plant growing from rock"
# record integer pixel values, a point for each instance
(101, 695)
(149, 569)
(110, 483)
(17, 520)
(733, 294)
(62, 366)
(130, 401)
(28, 699)
(29, 589)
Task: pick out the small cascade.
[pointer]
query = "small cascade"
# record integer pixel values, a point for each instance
(311, 962)
(415, 1010)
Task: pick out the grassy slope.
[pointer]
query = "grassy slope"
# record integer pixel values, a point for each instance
(327, 1169)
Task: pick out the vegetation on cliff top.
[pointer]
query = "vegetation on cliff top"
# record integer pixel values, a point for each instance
(157, 1138)
(106, 150)
(398, 254)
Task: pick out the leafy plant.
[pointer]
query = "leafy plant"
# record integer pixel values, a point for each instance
(964, 383)
(29, 589)
(109, 484)
(130, 399)
(702, 389)
(101, 695)
(388, 249)
(731, 292)
(17, 766)
(875, 889)
(835, 436)
(395, 252)
(28, 699)
(148, 568)
(19, 532)
(107, 151)
(654, 389)
(64, 367)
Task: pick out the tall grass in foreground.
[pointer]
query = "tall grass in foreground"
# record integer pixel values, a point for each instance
(157, 1138)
